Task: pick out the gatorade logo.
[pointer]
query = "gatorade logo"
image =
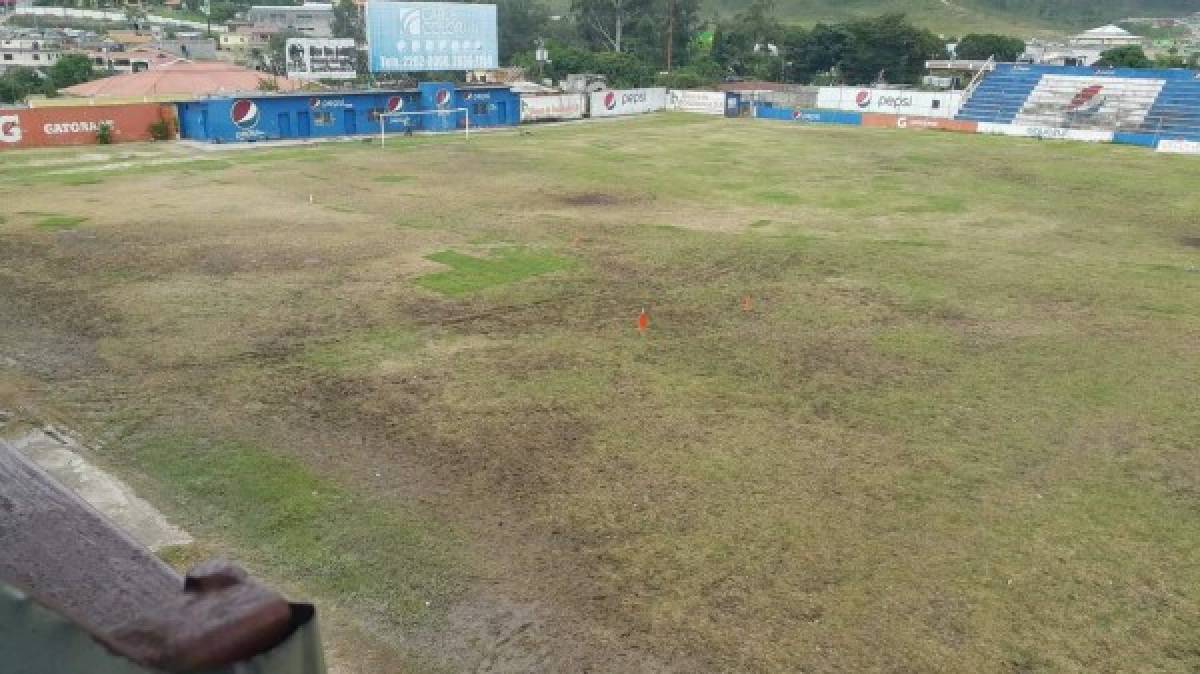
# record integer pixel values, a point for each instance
(10, 129)
(863, 98)
(395, 104)
(442, 97)
(610, 100)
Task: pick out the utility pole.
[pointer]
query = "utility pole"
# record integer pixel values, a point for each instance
(670, 31)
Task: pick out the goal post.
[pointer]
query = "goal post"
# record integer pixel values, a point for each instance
(410, 118)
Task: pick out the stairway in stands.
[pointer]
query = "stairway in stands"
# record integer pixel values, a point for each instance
(1161, 103)
(1176, 113)
(1000, 95)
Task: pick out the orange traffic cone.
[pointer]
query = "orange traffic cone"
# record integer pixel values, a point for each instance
(643, 321)
(747, 303)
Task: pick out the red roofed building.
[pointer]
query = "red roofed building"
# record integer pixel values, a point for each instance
(182, 80)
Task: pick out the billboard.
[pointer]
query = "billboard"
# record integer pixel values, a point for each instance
(1179, 146)
(879, 121)
(1046, 132)
(704, 102)
(542, 107)
(321, 58)
(416, 36)
(626, 102)
(890, 101)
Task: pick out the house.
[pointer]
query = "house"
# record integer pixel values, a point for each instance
(1104, 38)
(29, 52)
(308, 20)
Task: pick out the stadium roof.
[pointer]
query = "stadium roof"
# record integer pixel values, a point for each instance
(182, 78)
(1106, 31)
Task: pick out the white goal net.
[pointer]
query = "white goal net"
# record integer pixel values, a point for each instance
(408, 123)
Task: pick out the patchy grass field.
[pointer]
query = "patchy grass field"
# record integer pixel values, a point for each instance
(908, 401)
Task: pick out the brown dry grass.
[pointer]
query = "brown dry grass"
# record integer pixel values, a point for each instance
(953, 433)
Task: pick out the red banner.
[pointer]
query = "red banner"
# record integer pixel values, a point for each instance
(43, 127)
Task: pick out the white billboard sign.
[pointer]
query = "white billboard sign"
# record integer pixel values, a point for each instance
(1046, 132)
(890, 101)
(704, 102)
(321, 58)
(1179, 146)
(627, 102)
(540, 107)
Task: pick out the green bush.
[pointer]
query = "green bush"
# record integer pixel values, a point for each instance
(161, 130)
(104, 135)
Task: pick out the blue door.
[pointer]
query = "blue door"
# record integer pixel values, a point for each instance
(285, 125)
(303, 125)
(203, 130)
(350, 121)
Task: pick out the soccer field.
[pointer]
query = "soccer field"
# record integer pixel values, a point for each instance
(906, 401)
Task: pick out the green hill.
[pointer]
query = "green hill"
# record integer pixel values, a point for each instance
(1019, 17)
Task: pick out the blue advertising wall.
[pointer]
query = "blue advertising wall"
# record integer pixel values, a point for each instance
(767, 111)
(429, 36)
(274, 117)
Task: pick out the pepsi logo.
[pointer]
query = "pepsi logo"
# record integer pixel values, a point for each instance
(244, 114)
(442, 97)
(863, 98)
(395, 104)
(610, 100)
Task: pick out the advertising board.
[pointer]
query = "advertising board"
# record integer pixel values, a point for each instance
(1179, 146)
(1046, 132)
(42, 127)
(878, 121)
(542, 107)
(613, 102)
(420, 36)
(321, 58)
(890, 101)
(703, 102)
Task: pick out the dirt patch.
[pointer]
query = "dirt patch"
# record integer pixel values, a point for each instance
(1190, 241)
(593, 199)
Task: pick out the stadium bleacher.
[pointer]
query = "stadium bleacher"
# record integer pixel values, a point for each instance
(1158, 104)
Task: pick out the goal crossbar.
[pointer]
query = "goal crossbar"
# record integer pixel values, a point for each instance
(406, 113)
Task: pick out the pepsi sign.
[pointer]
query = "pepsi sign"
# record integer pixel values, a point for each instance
(244, 114)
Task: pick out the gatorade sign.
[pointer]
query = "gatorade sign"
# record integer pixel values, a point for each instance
(41, 127)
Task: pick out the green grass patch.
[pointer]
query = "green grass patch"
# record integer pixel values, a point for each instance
(471, 274)
(77, 179)
(392, 178)
(300, 525)
(55, 223)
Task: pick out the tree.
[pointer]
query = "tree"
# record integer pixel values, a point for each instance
(276, 46)
(981, 46)
(1130, 56)
(520, 24)
(602, 22)
(888, 47)
(71, 69)
(346, 21)
(220, 12)
(17, 83)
